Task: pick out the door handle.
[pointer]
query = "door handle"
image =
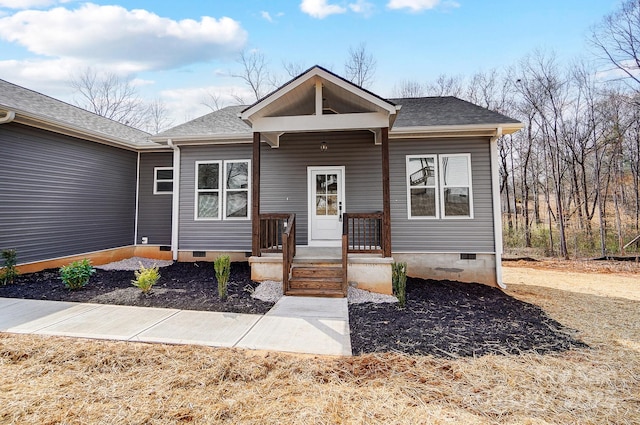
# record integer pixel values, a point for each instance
(340, 211)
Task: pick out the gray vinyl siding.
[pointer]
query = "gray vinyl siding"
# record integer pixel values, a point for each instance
(442, 235)
(211, 235)
(283, 187)
(62, 196)
(284, 183)
(154, 211)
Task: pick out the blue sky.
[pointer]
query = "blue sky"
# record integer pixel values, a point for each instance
(179, 50)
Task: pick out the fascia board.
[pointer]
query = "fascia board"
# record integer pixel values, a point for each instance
(483, 129)
(72, 130)
(219, 138)
(276, 95)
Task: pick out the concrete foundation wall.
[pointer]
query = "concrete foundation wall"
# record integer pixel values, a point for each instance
(373, 274)
(98, 257)
(188, 257)
(449, 266)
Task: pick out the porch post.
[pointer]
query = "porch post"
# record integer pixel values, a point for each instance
(386, 194)
(255, 196)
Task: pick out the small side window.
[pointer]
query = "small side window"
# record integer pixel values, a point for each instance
(162, 180)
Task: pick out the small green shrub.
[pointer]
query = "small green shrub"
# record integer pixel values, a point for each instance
(222, 267)
(399, 279)
(76, 275)
(146, 278)
(9, 272)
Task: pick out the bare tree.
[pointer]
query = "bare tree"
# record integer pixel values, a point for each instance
(445, 85)
(409, 88)
(293, 69)
(617, 40)
(546, 90)
(360, 66)
(211, 100)
(254, 73)
(110, 96)
(158, 117)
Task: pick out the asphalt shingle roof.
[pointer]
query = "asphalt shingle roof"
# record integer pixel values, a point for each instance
(20, 99)
(415, 112)
(447, 110)
(223, 121)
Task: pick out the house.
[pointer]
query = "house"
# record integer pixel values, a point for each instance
(320, 183)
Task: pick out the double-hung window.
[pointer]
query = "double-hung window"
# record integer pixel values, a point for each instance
(236, 189)
(208, 189)
(422, 193)
(222, 189)
(162, 180)
(455, 179)
(439, 186)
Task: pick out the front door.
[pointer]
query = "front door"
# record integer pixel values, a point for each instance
(326, 205)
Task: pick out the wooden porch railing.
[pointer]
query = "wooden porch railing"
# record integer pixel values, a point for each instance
(362, 233)
(288, 250)
(272, 226)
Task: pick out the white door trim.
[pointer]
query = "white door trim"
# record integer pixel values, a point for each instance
(311, 202)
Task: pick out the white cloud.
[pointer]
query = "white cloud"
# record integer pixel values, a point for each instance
(362, 7)
(266, 16)
(188, 103)
(413, 5)
(33, 70)
(29, 4)
(130, 40)
(320, 8)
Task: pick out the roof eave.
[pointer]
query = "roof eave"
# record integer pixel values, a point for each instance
(481, 130)
(44, 123)
(218, 138)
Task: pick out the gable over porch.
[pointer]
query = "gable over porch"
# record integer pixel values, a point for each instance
(320, 103)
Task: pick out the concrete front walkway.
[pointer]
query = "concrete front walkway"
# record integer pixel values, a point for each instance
(294, 324)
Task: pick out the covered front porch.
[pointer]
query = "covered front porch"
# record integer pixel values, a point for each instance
(308, 138)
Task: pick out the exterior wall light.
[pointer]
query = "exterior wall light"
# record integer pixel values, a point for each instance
(323, 146)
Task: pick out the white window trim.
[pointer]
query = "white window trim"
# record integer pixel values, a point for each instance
(469, 186)
(156, 180)
(439, 187)
(225, 190)
(198, 191)
(409, 187)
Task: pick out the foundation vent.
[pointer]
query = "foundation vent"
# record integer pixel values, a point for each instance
(199, 254)
(467, 256)
(165, 248)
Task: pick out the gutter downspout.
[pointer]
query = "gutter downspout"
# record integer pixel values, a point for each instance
(175, 206)
(497, 207)
(10, 116)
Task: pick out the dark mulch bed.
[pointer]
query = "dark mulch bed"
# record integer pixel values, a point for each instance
(441, 318)
(453, 319)
(188, 286)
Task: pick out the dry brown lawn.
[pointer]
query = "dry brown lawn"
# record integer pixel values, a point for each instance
(51, 380)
